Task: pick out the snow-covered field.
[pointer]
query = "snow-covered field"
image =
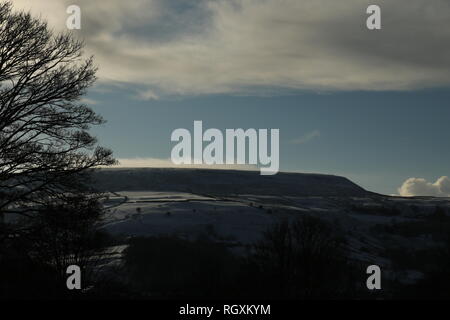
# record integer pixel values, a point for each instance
(186, 215)
(189, 208)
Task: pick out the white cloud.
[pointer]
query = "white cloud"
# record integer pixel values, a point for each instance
(306, 137)
(89, 101)
(421, 187)
(236, 46)
(147, 95)
(167, 163)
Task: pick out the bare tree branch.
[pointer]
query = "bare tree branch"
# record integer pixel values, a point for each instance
(45, 144)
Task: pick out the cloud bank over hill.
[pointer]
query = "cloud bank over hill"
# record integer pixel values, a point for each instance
(253, 46)
(421, 187)
(167, 163)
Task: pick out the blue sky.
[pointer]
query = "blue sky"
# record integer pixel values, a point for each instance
(377, 139)
(371, 105)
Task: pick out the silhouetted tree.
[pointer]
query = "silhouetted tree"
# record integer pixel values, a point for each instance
(63, 233)
(304, 258)
(45, 146)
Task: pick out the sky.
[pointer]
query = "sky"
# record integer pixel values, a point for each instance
(371, 105)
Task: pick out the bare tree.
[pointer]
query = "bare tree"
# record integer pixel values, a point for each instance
(66, 233)
(304, 258)
(45, 146)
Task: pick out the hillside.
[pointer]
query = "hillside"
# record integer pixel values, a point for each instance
(225, 182)
(236, 207)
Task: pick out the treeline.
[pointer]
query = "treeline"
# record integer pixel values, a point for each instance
(303, 259)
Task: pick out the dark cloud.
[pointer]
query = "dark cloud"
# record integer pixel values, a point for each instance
(201, 47)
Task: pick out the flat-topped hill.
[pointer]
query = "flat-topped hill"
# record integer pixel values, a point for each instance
(225, 182)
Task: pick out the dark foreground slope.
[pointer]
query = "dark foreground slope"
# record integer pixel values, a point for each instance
(225, 182)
